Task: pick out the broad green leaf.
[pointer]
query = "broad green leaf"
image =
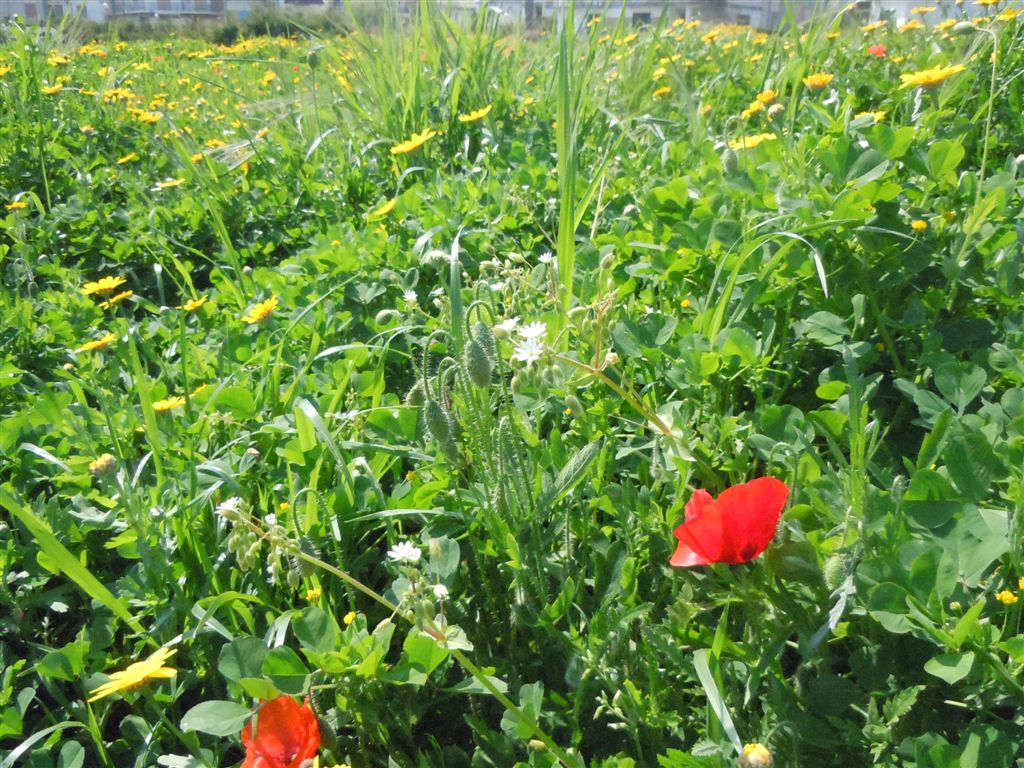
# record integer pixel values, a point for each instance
(217, 718)
(951, 667)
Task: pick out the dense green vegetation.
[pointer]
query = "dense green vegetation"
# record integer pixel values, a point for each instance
(379, 369)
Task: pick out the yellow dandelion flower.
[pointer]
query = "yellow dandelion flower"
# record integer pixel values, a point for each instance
(1009, 14)
(49, 90)
(349, 618)
(193, 304)
(756, 756)
(17, 205)
(101, 343)
(878, 116)
(911, 25)
(103, 286)
(414, 142)
(767, 97)
(1020, 583)
(313, 594)
(102, 463)
(116, 299)
(923, 9)
(168, 404)
(168, 183)
(130, 157)
(87, 129)
(986, 3)
(261, 311)
(749, 142)
(919, 225)
(665, 90)
(945, 26)
(478, 114)
(136, 674)
(929, 78)
(199, 390)
(755, 108)
(382, 210)
(268, 78)
(818, 80)
(5, 69)
(1006, 597)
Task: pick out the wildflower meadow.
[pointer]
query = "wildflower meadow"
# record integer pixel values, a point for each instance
(437, 392)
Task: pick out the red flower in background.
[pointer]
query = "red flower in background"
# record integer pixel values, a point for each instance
(286, 734)
(734, 528)
(877, 50)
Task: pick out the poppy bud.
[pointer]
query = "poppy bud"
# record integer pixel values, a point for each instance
(437, 421)
(478, 366)
(730, 161)
(416, 395)
(485, 337)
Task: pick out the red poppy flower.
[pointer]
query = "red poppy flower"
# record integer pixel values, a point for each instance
(286, 734)
(734, 528)
(877, 50)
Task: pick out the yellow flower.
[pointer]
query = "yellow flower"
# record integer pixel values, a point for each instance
(268, 78)
(415, 141)
(478, 114)
(911, 25)
(137, 674)
(6, 68)
(17, 205)
(873, 26)
(928, 78)
(663, 91)
(1020, 582)
(175, 401)
(755, 108)
(756, 756)
(1006, 597)
(130, 157)
(87, 129)
(382, 210)
(1009, 14)
(167, 184)
(261, 311)
(749, 142)
(101, 464)
(49, 90)
(878, 116)
(919, 225)
(349, 618)
(945, 26)
(767, 97)
(193, 304)
(198, 390)
(313, 594)
(818, 80)
(986, 3)
(115, 299)
(101, 343)
(103, 285)
(923, 9)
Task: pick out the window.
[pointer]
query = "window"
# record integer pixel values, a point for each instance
(641, 19)
(743, 18)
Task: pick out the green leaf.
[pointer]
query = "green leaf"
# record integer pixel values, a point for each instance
(960, 383)
(831, 390)
(424, 652)
(944, 157)
(217, 718)
(968, 625)
(951, 667)
(715, 700)
(531, 697)
(286, 670)
(242, 658)
(316, 630)
(571, 474)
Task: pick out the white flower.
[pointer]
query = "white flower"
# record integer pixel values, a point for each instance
(405, 552)
(229, 507)
(536, 330)
(270, 519)
(441, 592)
(546, 258)
(497, 286)
(410, 297)
(506, 327)
(528, 351)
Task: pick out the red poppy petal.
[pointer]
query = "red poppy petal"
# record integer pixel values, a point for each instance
(750, 514)
(704, 537)
(695, 507)
(286, 734)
